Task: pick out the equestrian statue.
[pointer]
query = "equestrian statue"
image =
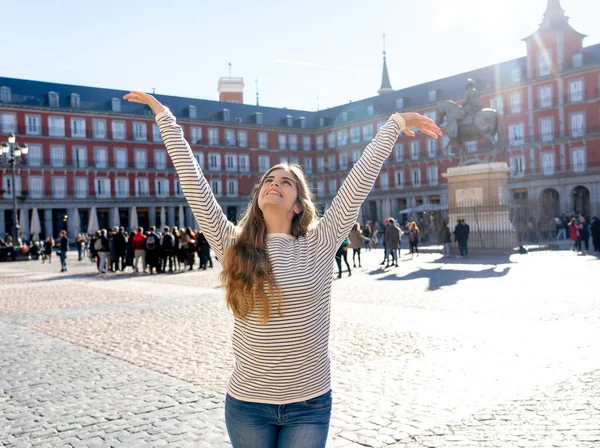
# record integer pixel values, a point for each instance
(471, 122)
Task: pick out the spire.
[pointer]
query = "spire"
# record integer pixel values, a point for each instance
(386, 86)
(256, 83)
(555, 20)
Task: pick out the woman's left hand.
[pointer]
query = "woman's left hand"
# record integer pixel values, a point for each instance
(420, 123)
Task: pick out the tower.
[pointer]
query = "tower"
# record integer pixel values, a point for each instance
(386, 86)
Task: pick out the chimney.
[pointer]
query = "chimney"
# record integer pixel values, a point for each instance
(231, 90)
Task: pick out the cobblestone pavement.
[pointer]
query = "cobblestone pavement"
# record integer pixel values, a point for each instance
(477, 352)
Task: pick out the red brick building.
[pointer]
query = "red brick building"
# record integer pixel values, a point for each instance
(88, 148)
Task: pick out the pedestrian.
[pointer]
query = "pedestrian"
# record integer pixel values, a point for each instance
(139, 250)
(48, 245)
(64, 248)
(277, 279)
(367, 233)
(168, 247)
(152, 247)
(574, 235)
(204, 251)
(413, 238)
(461, 234)
(595, 231)
(445, 238)
(391, 239)
(356, 241)
(79, 242)
(120, 248)
(342, 252)
(584, 235)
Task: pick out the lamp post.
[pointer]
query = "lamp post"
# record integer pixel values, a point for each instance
(13, 155)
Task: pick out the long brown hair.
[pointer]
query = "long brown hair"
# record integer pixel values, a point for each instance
(247, 272)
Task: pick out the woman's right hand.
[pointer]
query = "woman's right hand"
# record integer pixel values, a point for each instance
(143, 98)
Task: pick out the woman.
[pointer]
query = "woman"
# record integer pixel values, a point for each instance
(574, 235)
(584, 236)
(367, 234)
(356, 240)
(277, 278)
(48, 245)
(413, 238)
(342, 252)
(64, 248)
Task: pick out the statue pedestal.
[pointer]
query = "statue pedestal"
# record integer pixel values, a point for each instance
(479, 194)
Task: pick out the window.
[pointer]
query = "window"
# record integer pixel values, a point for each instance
(214, 161)
(101, 157)
(295, 160)
(415, 150)
(548, 163)
(344, 116)
(415, 176)
(7, 186)
(230, 137)
(515, 103)
(577, 124)
(370, 110)
(282, 140)
(116, 105)
(320, 143)
(400, 179)
(578, 159)
(355, 156)
(36, 187)
(8, 123)
(471, 146)
(75, 101)
(284, 159)
(302, 122)
(121, 158)
(263, 140)
(342, 137)
(142, 187)
(141, 159)
(264, 163)
(33, 124)
(545, 96)
(57, 156)
(230, 162)
(242, 139)
(517, 166)
(445, 142)
(118, 130)
(79, 156)
(259, 118)
(367, 132)
(308, 165)
(332, 186)
(5, 94)
(576, 92)
(577, 60)
(343, 161)
(195, 135)
(399, 152)
(293, 141)
(160, 159)
(543, 63)
(162, 187)
(306, 143)
(178, 190)
(140, 132)
(102, 187)
(289, 121)
(320, 164)
(432, 96)
(81, 187)
(244, 163)
(232, 187)
(156, 137)
(516, 134)
(213, 136)
(380, 124)
(331, 140)
(56, 126)
(78, 127)
(215, 186)
(431, 147)
(399, 103)
(432, 175)
(53, 99)
(99, 128)
(199, 158)
(497, 103)
(331, 162)
(546, 129)
(320, 188)
(122, 187)
(384, 180)
(59, 187)
(355, 134)
(34, 158)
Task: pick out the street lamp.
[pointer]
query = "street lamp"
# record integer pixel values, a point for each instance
(13, 155)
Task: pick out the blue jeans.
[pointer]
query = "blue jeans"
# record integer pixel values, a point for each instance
(296, 425)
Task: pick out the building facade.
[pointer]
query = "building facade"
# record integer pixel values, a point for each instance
(89, 148)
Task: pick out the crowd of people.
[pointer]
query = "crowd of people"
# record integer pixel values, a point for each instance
(580, 232)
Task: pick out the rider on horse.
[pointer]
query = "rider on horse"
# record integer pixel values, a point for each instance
(470, 105)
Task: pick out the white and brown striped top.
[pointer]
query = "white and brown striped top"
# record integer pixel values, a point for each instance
(286, 360)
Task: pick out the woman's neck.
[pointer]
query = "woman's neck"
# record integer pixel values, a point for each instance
(277, 224)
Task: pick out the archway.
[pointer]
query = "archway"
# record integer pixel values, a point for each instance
(549, 203)
(581, 201)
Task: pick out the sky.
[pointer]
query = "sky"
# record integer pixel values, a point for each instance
(307, 54)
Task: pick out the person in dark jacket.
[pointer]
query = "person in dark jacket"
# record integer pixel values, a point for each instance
(120, 248)
(101, 247)
(391, 239)
(584, 235)
(203, 251)
(445, 238)
(595, 231)
(168, 247)
(152, 249)
(63, 244)
(461, 235)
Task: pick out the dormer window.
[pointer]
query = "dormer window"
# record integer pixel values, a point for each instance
(434, 96)
(399, 103)
(577, 60)
(75, 101)
(370, 110)
(516, 74)
(322, 122)
(116, 105)
(344, 116)
(192, 112)
(238, 119)
(302, 122)
(53, 99)
(258, 118)
(5, 94)
(226, 115)
(289, 121)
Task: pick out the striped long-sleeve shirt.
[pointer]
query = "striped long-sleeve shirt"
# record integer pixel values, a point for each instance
(286, 360)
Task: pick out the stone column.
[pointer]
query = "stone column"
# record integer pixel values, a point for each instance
(151, 216)
(111, 217)
(171, 216)
(49, 229)
(190, 221)
(72, 230)
(25, 224)
(3, 224)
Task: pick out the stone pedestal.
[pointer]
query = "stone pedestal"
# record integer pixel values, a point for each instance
(478, 194)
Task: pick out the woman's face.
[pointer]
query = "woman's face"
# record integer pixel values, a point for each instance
(279, 192)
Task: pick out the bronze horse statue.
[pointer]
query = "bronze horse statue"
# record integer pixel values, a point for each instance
(486, 123)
